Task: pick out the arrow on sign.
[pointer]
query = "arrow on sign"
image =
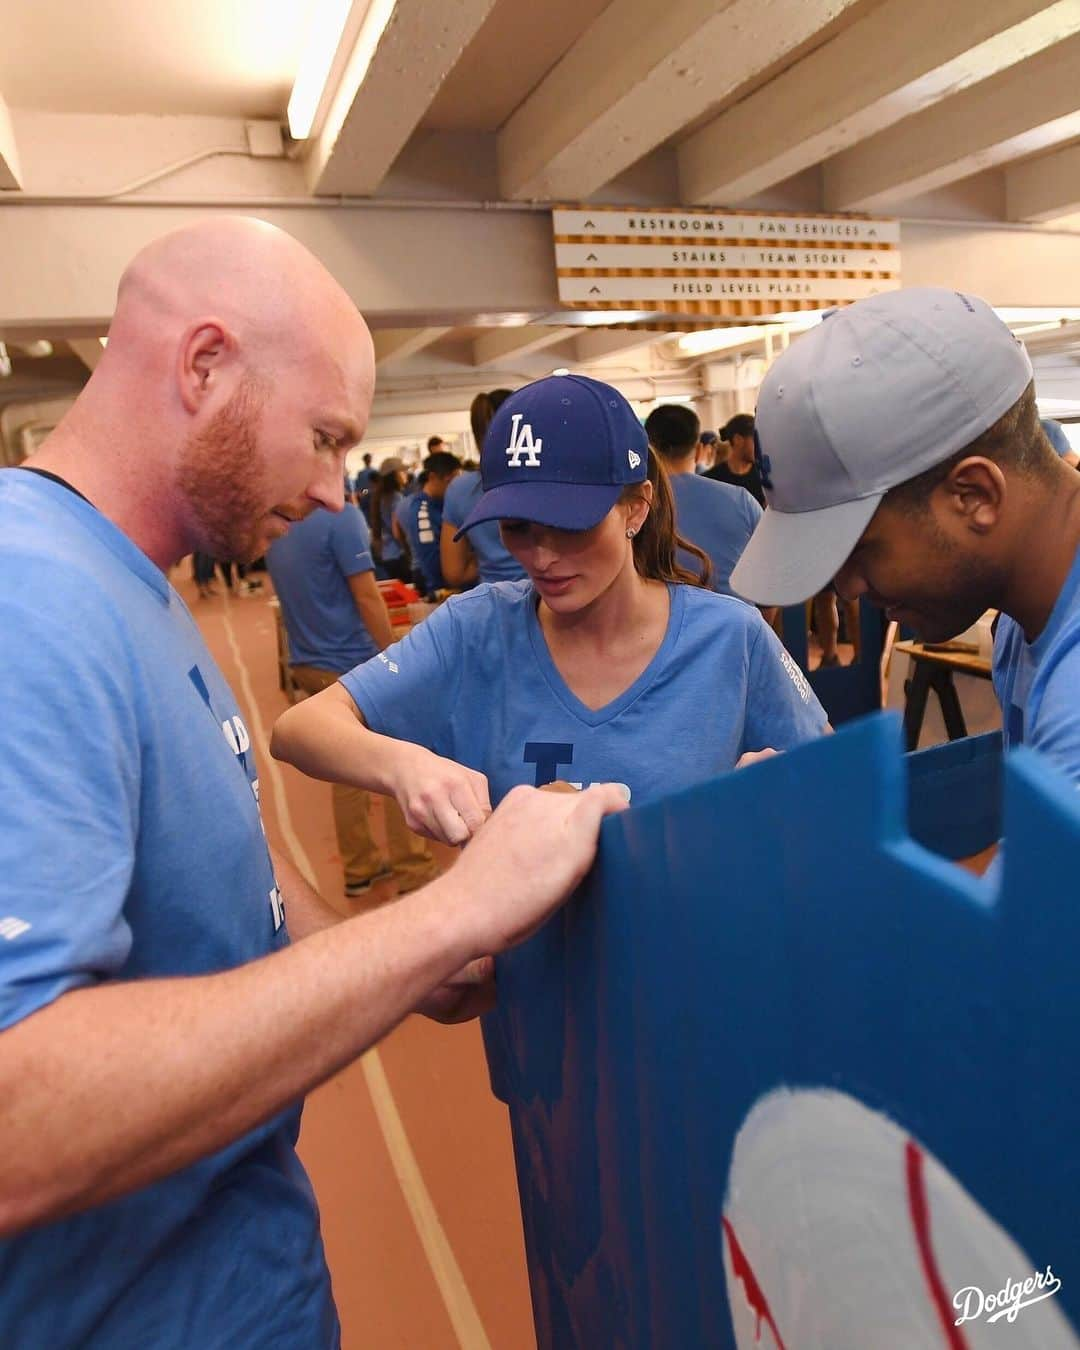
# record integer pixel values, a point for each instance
(594, 290)
(591, 257)
(588, 225)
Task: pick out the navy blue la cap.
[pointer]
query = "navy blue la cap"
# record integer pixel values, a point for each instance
(559, 452)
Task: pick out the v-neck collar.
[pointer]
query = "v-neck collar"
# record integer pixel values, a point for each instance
(595, 717)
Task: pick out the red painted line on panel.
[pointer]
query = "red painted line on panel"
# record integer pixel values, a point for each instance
(920, 1220)
(742, 1270)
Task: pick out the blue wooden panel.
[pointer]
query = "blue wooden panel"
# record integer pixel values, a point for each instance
(775, 946)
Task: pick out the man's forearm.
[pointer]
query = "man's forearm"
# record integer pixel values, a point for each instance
(112, 1087)
(306, 911)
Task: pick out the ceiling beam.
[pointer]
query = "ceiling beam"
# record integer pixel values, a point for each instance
(502, 343)
(815, 109)
(1044, 188)
(10, 172)
(397, 344)
(639, 73)
(1018, 112)
(384, 93)
(88, 350)
(596, 346)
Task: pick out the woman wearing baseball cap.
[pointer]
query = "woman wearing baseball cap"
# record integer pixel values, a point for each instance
(608, 663)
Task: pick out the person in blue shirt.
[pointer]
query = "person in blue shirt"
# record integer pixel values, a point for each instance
(386, 497)
(481, 554)
(335, 619)
(170, 988)
(609, 663)
(902, 455)
(718, 517)
(1059, 441)
(421, 517)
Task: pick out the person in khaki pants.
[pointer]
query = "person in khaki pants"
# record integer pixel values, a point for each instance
(335, 619)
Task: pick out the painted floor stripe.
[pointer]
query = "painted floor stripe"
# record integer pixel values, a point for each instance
(447, 1274)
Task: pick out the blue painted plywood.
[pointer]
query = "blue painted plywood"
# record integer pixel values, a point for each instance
(781, 1071)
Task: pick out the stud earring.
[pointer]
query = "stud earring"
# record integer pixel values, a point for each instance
(630, 533)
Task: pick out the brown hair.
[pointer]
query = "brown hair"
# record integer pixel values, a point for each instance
(482, 410)
(656, 543)
(1015, 441)
(386, 485)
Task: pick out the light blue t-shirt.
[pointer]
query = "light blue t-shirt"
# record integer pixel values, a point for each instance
(132, 847)
(718, 518)
(475, 682)
(421, 519)
(1055, 434)
(310, 567)
(493, 561)
(1038, 683)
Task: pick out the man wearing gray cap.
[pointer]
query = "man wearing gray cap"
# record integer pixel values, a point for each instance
(902, 456)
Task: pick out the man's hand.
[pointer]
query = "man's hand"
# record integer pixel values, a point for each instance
(467, 994)
(439, 797)
(526, 860)
(754, 757)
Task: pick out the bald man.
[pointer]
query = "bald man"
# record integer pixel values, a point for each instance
(168, 990)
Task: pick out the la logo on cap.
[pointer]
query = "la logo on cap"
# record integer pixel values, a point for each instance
(522, 443)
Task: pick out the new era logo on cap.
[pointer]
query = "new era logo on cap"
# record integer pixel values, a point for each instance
(635, 458)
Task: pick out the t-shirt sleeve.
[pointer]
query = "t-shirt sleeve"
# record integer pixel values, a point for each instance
(752, 512)
(454, 502)
(409, 690)
(782, 710)
(69, 781)
(350, 542)
(1056, 729)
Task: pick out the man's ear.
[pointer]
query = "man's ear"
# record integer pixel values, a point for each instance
(974, 493)
(205, 349)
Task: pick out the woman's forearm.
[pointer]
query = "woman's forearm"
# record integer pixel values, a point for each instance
(325, 737)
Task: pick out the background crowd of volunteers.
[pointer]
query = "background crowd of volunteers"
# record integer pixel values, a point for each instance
(179, 978)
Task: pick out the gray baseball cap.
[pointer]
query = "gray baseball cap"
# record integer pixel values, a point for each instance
(876, 394)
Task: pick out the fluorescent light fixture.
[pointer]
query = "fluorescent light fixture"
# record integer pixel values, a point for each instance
(39, 347)
(597, 318)
(1035, 314)
(803, 318)
(717, 339)
(320, 49)
(364, 29)
(1058, 407)
(737, 335)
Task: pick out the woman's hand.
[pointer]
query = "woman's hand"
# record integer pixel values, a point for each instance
(439, 797)
(754, 757)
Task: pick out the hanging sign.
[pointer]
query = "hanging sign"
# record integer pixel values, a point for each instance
(720, 264)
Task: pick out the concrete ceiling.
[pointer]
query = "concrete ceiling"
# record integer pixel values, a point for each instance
(968, 109)
(230, 58)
